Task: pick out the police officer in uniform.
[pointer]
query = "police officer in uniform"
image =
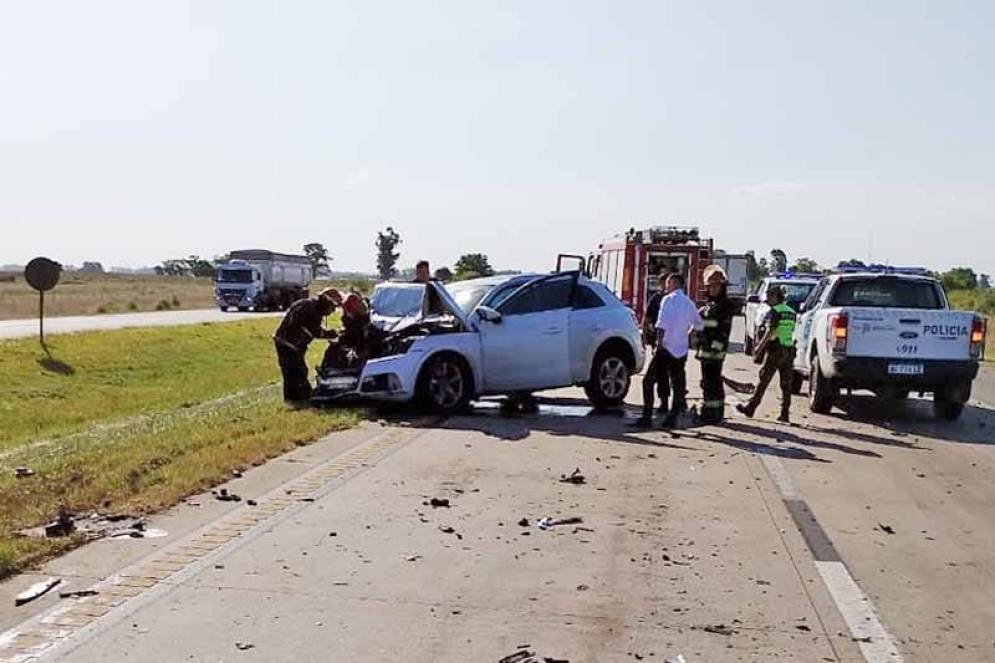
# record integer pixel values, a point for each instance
(713, 343)
(300, 326)
(779, 347)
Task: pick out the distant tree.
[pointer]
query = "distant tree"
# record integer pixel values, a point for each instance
(387, 241)
(959, 278)
(473, 265)
(91, 268)
(755, 271)
(852, 263)
(779, 260)
(199, 267)
(444, 274)
(806, 266)
(984, 281)
(172, 268)
(318, 255)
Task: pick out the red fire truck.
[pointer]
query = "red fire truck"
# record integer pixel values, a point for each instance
(629, 264)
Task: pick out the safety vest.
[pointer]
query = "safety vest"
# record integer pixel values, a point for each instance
(785, 330)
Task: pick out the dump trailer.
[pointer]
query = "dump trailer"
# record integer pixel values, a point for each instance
(261, 280)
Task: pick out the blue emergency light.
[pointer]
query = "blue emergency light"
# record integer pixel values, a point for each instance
(884, 269)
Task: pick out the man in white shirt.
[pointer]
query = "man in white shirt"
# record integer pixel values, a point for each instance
(678, 317)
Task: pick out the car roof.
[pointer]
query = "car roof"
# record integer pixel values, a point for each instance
(894, 275)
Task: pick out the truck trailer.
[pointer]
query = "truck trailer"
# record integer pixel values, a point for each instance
(261, 280)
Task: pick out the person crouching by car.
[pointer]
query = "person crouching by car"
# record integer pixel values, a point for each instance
(301, 325)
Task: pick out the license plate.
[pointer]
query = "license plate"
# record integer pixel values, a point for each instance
(905, 369)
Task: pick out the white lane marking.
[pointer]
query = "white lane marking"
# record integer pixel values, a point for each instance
(876, 644)
(779, 474)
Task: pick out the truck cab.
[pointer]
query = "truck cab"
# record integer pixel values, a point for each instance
(237, 283)
(889, 330)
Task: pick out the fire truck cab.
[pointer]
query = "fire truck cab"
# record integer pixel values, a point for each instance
(630, 264)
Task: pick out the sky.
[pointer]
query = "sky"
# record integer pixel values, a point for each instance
(132, 132)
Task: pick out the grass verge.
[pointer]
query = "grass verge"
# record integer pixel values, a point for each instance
(143, 418)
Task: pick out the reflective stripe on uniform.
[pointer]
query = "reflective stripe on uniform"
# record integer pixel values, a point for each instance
(785, 330)
(713, 404)
(709, 354)
(710, 323)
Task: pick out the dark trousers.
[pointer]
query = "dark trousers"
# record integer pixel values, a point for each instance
(712, 390)
(666, 373)
(296, 387)
(779, 360)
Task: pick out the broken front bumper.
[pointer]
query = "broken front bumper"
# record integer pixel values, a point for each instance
(390, 379)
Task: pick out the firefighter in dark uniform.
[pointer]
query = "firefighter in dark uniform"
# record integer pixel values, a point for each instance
(778, 346)
(301, 325)
(713, 343)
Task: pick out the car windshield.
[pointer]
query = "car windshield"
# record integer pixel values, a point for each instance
(397, 302)
(795, 293)
(468, 295)
(887, 292)
(234, 276)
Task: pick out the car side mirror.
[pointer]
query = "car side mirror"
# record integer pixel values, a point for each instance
(487, 314)
(753, 299)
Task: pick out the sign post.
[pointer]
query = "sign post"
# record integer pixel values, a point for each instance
(42, 274)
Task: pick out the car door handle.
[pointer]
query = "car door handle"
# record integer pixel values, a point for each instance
(552, 331)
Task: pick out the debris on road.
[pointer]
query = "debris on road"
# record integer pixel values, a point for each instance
(547, 522)
(412, 558)
(237, 474)
(78, 594)
(36, 590)
(802, 627)
(739, 387)
(524, 655)
(244, 646)
(223, 495)
(888, 529)
(575, 477)
(63, 525)
(438, 502)
(23, 472)
(718, 629)
(446, 529)
(524, 522)
(675, 659)
(251, 502)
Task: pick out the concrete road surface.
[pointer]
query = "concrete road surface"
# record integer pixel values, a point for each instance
(82, 323)
(865, 535)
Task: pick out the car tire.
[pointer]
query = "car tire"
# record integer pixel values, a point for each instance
(611, 375)
(445, 384)
(821, 390)
(944, 408)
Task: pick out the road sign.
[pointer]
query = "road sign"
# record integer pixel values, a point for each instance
(42, 274)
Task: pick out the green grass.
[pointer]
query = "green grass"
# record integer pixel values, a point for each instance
(134, 420)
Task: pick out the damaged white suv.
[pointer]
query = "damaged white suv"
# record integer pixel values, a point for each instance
(442, 348)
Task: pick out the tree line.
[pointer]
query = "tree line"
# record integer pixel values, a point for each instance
(958, 278)
(388, 241)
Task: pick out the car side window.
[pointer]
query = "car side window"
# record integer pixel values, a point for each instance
(547, 295)
(585, 298)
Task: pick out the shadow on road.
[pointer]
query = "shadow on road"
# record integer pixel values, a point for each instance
(914, 417)
(53, 365)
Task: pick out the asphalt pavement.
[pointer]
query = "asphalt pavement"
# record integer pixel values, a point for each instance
(864, 535)
(83, 323)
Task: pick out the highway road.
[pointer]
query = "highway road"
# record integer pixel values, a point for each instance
(83, 323)
(864, 535)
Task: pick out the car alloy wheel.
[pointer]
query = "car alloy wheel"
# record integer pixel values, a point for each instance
(613, 378)
(446, 384)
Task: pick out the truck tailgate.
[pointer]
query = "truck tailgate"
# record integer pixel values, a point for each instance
(908, 333)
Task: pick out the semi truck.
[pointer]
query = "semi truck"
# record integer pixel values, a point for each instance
(630, 263)
(261, 280)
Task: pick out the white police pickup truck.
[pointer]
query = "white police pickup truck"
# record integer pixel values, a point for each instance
(889, 330)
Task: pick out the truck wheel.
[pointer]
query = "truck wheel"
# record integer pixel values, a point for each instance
(821, 390)
(944, 408)
(610, 378)
(748, 346)
(445, 384)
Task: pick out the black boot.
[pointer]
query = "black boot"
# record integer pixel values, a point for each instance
(744, 409)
